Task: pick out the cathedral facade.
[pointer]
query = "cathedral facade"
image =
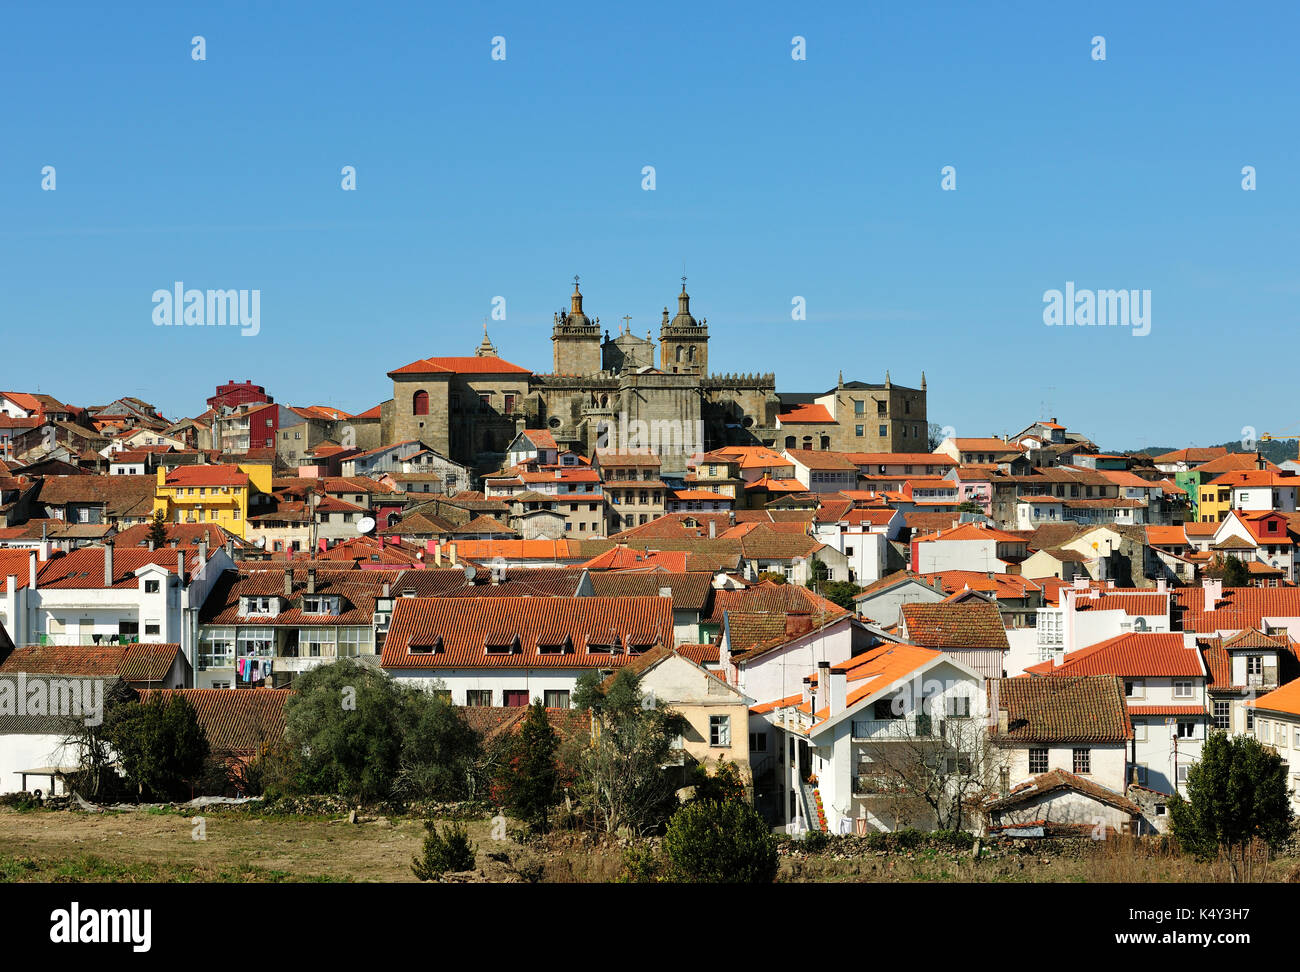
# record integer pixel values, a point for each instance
(627, 392)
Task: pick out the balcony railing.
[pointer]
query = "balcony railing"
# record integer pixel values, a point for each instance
(921, 727)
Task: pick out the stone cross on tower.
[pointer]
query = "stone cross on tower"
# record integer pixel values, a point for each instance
(627, 326)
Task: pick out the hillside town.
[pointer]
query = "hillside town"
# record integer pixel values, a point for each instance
(849, 604)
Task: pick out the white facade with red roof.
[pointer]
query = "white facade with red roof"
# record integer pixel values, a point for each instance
(105, 595)
(1166, 690)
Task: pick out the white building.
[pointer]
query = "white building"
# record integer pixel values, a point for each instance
(1165, 685)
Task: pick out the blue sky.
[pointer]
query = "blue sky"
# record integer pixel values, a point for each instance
(775, 178)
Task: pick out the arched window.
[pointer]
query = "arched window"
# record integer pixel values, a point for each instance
(826, 442)
(420, 403)
(790, 441)
(680, 352)
(691, 354)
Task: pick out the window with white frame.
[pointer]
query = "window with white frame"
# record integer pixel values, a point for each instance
(1222, 713)
(1186, 729)
(255, 642)
(1139, 730)
(1183, 690)
(1082, 761)
(317, 642)
(1134, 688)
(719, 730)
(216, 647)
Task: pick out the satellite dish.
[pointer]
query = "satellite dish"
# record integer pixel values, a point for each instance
(470, 571)
(365, 524)
(260, 542)
(419, 555)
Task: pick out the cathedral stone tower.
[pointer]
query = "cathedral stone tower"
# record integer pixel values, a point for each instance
(684, 342)
(576, 339)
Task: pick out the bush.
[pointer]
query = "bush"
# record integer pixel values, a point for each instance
(449, 851)
(721, 843)
(815, 841)
(640, 866)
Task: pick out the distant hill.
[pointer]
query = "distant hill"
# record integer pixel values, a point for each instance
(1276, 451)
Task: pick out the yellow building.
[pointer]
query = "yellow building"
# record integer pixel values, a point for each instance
(210, 494)
(1214, 499)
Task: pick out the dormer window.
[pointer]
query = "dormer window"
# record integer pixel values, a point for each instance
(606, 644)
(316, 604)
(259, 605)
(501, 644)
(426, 646)
(555, 645)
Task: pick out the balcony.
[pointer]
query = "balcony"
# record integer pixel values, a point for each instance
(921, 727)
(872, 784)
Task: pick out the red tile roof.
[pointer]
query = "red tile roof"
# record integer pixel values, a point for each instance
(206, 476)
(806, 414)
(1088, 708)
(1138, 655)
(137, 663)
(486, 365)
(976, 624)
(460, 630)
(236, 721)
(1285, 699)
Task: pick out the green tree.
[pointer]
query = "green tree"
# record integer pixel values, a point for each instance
(720, 843)
(450, 850)
(624, 779)
(820, 573)
(344, 726)
(841, 593)
(160, 745)
(1235, 573)
(1236, 794)
(771, 575)
(723, 784)
(157, 534)
(528, 780)
(439, 754)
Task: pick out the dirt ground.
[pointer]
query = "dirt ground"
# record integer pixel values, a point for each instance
(233, 845)
(144, 845)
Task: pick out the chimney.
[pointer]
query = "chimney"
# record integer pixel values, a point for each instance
(665, 592)
(288, 582)
(807, 690)
(1213, 590)
(1161, 588)
(151, 546)
(311, 580)
(797, 624)
(180, 566)
(1004, 716)
(203, 552)
(821, 695)
(108, 563)
(451, 553)
(230, 549)
(386, 589)
(437, 553)
(837, 691)
(713, 529)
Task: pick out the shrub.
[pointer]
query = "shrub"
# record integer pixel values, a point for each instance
(816, 841)
(450, 850)
(723, 843)
(641, 865)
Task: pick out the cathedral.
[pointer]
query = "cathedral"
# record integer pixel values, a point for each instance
(624, 393)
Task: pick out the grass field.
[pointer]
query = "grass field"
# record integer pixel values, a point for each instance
(242, 846)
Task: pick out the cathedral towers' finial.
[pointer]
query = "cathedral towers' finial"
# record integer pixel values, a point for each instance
(841, 388)
(922, 381)
(888, 383)
(487, 349)
(575, 302)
